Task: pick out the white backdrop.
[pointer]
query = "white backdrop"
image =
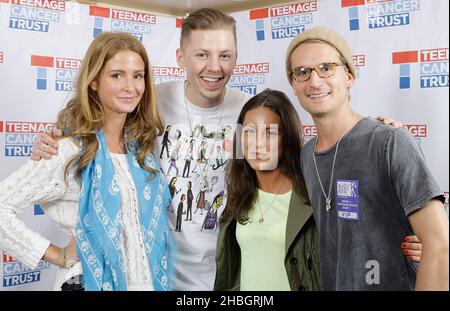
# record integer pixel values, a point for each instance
(400, 48)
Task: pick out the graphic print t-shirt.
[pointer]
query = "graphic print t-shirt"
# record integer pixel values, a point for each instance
(193, 153)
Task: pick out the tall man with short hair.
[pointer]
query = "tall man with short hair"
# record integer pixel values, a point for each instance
(368, 183)
(202, 108)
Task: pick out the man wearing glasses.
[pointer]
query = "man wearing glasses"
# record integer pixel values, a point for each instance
(368, 183)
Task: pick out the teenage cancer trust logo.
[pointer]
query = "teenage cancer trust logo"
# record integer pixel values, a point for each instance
(20, 136)
(418, 131)
(35, 15)
(65, 72)
(135, 23)
(309, 131)
(380, 13)
(247, 77)
(360, 62)
(286, 21)
(164, 74)
(433, 67)
(16, 273)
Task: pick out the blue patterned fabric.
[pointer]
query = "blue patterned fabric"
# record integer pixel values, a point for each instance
(98, 228)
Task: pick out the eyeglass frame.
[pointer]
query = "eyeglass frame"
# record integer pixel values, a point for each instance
(315, 68)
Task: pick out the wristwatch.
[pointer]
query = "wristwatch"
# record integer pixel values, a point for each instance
(68, 263)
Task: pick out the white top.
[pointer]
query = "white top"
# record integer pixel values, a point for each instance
(136, 267)
(196, 244)
(42, 182)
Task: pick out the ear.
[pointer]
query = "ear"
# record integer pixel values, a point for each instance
(350, 79)
(180, 58)
(94, 85)
(294, 89)
(235, 60)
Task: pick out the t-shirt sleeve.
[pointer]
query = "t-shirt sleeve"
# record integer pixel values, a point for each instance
(411, 178)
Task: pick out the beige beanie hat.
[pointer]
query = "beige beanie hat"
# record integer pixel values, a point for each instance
(326, 35)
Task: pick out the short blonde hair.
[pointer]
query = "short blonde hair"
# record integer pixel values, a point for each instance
(206, 19)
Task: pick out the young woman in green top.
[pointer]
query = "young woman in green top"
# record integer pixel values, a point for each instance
(268, 239)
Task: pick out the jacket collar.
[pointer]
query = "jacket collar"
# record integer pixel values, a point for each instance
(299, 213)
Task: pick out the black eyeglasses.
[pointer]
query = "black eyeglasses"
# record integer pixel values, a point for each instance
(324, 70)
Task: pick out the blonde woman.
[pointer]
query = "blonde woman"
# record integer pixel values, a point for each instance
(104, 187)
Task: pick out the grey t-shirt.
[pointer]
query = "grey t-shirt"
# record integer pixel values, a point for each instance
(380, 177)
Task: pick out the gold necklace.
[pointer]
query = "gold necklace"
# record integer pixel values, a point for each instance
(261, 220)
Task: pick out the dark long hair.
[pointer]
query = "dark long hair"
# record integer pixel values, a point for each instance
(241, 178)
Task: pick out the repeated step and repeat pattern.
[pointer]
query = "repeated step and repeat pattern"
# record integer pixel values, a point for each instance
(400, 49)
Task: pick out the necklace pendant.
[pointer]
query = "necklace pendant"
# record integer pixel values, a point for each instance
(261, 220)
(328, 206)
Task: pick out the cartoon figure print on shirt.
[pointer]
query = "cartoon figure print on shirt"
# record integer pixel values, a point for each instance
(188, 159)
(190, 198)
(165, 142)
(201, 159)
(194, 161)
(173, 190)
(180, 213)
(203, 187)
(211, 221)
(173, 158)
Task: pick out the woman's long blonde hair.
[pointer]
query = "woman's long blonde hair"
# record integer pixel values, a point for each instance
(84, 115)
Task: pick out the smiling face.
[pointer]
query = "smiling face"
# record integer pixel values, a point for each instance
(121, 84)
(261, 141)
(320, 96)
(209, 57)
